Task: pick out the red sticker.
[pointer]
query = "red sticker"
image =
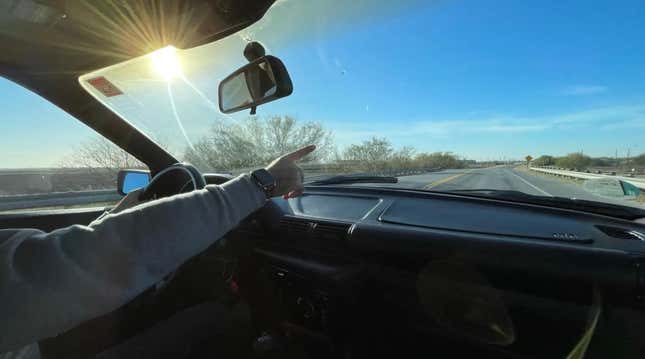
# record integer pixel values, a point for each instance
(104, 86)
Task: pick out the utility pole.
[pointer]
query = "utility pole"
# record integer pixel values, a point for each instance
(616, 158)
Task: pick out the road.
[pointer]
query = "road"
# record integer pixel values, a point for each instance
(502, 178)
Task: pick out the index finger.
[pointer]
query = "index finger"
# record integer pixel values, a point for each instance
(298, 154)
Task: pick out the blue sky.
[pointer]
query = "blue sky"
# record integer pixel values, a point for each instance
(484, 80)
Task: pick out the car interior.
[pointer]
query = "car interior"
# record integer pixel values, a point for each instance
(341, 271)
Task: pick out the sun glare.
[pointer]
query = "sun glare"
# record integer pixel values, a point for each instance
(166, 63)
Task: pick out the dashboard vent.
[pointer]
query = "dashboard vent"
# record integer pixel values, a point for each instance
(315, 229)
(295, 225)
(622, 233)
(331, 230)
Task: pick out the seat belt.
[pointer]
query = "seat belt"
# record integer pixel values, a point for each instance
(580, 349)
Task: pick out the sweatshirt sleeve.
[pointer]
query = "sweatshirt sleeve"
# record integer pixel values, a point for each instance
(51, 282)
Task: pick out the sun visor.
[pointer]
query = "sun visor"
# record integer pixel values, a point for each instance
(52, 35)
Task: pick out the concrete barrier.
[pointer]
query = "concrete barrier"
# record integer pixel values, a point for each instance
(638, 182)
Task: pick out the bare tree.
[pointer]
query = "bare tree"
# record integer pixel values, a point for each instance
(403, 158)
(438, 160)
(574, 160)
(378, 155)
(91, 165)
(371, 155)
(231, 146)
(373, 150)
(100, 154)
(256, 141)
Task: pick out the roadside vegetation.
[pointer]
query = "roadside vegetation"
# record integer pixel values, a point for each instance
(581, 162)
(233, 147)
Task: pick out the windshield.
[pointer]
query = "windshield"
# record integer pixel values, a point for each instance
(445, 96)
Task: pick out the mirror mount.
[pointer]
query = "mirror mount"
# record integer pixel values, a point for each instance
(253, 51)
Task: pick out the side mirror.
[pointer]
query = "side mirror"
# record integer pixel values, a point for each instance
(263, 80)
(630, 190)
(130, 180)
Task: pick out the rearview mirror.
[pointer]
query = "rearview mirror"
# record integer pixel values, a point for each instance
(263, 80)
(130, 180)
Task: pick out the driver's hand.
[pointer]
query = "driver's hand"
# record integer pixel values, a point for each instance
(288, 176)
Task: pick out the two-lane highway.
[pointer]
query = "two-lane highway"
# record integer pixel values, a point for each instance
(503, 178)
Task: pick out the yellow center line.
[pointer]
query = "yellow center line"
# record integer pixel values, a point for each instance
(445, 180)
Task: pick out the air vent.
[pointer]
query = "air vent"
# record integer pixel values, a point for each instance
(314, 229)
(334, 231)
(295, 225)
(622, 233)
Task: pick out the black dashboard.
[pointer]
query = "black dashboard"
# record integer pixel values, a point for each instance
(352, 265)
(513, 235)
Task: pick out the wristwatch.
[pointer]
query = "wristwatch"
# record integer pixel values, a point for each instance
(264, 180)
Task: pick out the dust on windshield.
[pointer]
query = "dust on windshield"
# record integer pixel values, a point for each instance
(446, 96)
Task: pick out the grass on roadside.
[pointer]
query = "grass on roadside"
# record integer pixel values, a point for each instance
(523, 168)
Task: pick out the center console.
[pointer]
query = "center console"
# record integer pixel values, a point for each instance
(306, 284)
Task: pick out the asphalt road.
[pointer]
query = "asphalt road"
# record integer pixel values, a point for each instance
(503, 178)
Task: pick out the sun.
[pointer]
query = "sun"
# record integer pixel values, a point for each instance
(166, 63)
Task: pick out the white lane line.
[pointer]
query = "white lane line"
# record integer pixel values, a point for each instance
(532, 185)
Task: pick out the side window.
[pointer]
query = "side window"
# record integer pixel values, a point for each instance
(50, 160)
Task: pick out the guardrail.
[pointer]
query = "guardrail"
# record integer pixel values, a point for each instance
(638, 182)
(57, 199)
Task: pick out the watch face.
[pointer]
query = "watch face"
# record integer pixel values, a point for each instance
(264, 178)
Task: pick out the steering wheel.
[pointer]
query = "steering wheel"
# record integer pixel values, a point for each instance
(172, 180)
(175, 179)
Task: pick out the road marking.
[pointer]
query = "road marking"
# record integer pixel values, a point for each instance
(532, 185)
(445, 180)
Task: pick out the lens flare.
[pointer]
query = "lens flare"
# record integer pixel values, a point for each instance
(166, 63)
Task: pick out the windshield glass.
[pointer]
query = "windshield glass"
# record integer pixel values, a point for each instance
(445, 96)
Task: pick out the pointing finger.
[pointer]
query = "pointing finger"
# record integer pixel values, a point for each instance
(298, 154)
(295, 193)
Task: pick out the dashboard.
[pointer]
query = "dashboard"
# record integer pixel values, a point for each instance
(590, 247)
(373, 269)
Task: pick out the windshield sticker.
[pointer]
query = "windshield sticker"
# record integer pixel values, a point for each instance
(104, 86)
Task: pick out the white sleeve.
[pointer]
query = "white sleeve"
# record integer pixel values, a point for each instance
(51, 282)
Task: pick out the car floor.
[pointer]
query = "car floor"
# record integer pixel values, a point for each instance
(208, 330)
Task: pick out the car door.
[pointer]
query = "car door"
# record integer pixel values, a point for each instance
(54, 170)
